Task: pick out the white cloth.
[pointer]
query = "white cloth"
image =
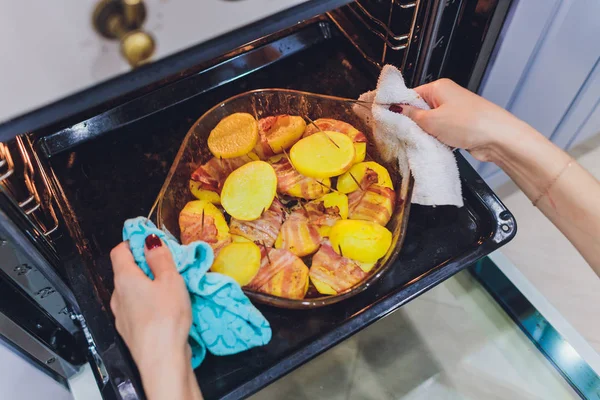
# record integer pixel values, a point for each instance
(432, 163)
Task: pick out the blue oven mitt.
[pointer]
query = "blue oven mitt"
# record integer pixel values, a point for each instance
(223, 319)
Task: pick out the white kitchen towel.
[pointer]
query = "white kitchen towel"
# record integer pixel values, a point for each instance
(432, 163)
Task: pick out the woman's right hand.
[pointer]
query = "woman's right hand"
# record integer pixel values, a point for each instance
(462, 119)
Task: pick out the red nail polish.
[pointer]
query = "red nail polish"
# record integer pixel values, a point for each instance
(397, 108)
(153, 241)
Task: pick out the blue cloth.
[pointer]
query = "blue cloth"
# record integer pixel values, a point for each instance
(223, 319)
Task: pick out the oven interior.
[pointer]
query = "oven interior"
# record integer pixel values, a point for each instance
(87, 175)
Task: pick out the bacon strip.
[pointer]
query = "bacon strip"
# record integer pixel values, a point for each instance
(371, 202)
(291, 182)
(319, 215)
(263, 149)
(340, 273)
(212, 174)
(193, 229)
(281, 274)
(262, 230)
(329, 124)
(298, 236)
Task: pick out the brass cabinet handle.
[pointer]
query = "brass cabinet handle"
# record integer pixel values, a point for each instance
(122, 20)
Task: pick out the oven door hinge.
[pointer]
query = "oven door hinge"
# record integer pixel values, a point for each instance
(98, 364)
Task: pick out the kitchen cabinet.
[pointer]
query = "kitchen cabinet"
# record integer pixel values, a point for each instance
(545, 70)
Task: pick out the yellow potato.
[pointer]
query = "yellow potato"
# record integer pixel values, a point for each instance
(346, 183)
(280, 132)
(310, 188)
(203, 194)
(336, 199)
(191, 226)
(322, 287)
(234, 136)
(249, 190)
(360, 148)
(324, 230)
(363, 241)
(240, 239)
(367, 267)
(316, 156)
(240, 261)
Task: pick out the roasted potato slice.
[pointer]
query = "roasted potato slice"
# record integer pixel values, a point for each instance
(249, 190)
(203, 194)
(234, 136)
(336, 199)
(348, 181)
(278, 133)
(323, 155)
(329, 124)
(240, 261)
(363, 241)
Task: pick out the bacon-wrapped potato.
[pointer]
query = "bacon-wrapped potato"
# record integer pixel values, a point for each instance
(371, 202)
(201, 220)
(212, 174)
(278, 133)
(293, 183)
(263, 230)
(297, 235)
(281, 274)
(332, 273)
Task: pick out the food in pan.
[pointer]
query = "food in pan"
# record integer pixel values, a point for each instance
(327, 124)
(234, 136)
(278, 133)
(291, 206)
(249, 190)
(323, 155)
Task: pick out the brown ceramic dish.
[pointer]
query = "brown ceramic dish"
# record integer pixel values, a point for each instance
(194, 151)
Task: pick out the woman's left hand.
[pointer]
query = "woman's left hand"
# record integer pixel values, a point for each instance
(154, 319)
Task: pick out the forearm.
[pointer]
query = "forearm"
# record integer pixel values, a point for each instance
(566, 193)
(170, 379)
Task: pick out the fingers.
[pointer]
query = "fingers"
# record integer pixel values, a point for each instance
(122, 260)
(427, 93)
(438, 92)
(159, 257)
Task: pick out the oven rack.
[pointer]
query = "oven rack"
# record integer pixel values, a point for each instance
(382, 30)
(25, 183)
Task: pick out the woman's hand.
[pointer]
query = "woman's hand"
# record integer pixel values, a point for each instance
(154, 319)
(462, 119)
(565, 192)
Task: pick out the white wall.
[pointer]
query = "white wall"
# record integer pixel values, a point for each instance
(49, 49)
(19, 380)
(546, 71)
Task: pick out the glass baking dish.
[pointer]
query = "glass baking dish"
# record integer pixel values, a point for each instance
(193, 152)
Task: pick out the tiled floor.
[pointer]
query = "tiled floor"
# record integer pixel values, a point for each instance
(453, 342)
(550, 262)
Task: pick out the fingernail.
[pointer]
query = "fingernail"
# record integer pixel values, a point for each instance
(153, 241)
(397, 108)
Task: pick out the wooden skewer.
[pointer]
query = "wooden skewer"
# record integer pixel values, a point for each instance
(356, 181)
(302, 205)
(266, 251)
(340, 248)
(202, 226)
(320, 130)
(325, 186)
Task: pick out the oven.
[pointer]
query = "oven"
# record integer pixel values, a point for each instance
(73, 170)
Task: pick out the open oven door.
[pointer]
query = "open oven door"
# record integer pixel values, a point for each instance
(103, 153)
